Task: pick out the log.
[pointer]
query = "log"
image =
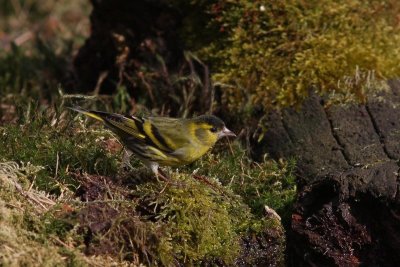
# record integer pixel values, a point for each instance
(347, 212)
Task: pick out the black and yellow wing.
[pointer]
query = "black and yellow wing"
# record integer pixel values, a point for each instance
(143, 136)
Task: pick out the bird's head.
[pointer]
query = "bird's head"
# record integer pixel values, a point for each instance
(208, 129)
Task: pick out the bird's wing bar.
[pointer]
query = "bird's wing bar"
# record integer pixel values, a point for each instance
(141, 129)
(129, 127)
(156, 137)
(173, 132)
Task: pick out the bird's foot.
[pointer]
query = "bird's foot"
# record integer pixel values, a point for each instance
(163, 176)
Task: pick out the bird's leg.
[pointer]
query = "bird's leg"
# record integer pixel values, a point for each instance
(158, 172)
(126, 159)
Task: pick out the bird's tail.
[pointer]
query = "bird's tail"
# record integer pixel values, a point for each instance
(93, 114)
(123, 126)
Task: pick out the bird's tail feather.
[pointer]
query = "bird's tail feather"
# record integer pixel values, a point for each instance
(124, 127)
(93, 114)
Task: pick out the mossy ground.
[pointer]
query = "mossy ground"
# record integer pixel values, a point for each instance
(64, 191)
(67, 200)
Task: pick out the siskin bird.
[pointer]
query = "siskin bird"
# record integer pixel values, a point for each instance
(163, 141)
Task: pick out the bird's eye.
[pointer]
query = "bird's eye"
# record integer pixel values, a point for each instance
(213, 129)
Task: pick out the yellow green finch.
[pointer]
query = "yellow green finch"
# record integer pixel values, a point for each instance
(161, 140)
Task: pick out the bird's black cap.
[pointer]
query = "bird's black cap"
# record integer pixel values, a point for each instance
(211, 120)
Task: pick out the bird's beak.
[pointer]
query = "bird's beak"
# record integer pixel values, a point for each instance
(226, 132)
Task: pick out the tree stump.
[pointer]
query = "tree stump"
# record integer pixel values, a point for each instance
(347, 212)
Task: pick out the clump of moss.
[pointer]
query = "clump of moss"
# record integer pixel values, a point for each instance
(20, 210)
(200, 223)
(266, 183)
(37, 229)
(184, 221)
(273, 53)
(192, 221)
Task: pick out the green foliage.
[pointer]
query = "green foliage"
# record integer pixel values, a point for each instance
(273, 53)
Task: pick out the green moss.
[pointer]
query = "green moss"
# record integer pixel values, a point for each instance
(56, 224)
(19, 217)
(273, 53)
(263, 183)
(199, 222)
(191, 221)
(60, 149)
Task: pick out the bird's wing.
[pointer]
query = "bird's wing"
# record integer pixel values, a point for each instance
(152, 138)
(162, 133)
(123, 126)
(164, 136)
(172, 133)
(167, 141)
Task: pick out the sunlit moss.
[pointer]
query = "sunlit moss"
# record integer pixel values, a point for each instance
(199, 222)
(273, 53)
